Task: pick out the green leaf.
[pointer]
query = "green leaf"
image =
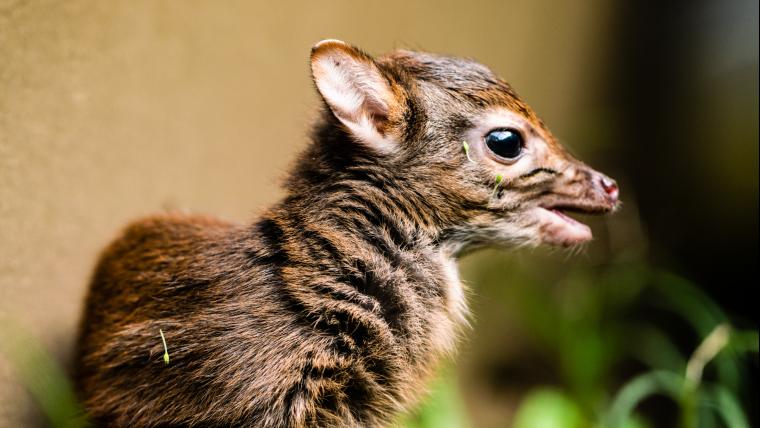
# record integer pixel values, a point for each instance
(443, 408)
(705, 352)
(728, 407)
(548, 408)
(639, 388)
(691, 303)
(744, 341)
(42, 376)
(650, 345)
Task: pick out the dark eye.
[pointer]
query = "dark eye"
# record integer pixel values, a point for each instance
(505, 143)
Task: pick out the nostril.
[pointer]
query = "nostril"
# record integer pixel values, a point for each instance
(610, 187)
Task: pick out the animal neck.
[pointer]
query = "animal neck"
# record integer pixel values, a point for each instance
(362, 213)
(365, 240)
(365, 196)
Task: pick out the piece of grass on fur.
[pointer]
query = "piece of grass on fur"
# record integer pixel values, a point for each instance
(166, 349)
(466, 148)
(499, 179)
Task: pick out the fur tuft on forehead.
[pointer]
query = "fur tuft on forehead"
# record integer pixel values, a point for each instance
(462, 76)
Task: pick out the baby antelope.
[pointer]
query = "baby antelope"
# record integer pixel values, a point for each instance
(334, 307)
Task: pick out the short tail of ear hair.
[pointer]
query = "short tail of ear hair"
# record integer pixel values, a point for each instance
(356, 90)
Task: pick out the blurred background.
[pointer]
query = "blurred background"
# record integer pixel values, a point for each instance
(112, 110)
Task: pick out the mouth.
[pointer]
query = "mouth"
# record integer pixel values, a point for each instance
(556, 227)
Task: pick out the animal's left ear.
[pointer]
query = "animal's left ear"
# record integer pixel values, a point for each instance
(356, 90)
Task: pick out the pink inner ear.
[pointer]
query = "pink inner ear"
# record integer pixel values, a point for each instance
(372, 88)
(356, 91)
(351, 85)
(377, 111)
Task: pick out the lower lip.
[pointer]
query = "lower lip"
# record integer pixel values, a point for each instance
(562, 215)
(560, 229)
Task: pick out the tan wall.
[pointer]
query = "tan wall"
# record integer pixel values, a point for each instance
(110, 110)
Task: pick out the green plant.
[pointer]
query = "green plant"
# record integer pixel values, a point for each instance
(593, 323)
(685, 388)
(42, 376)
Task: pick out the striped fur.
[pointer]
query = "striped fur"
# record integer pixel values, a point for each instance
(335, 306)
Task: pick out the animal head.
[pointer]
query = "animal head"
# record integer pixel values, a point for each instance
(451, 138)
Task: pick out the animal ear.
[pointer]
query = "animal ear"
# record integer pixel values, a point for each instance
(356, 90)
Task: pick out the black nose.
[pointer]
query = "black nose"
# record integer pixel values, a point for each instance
(610, 188)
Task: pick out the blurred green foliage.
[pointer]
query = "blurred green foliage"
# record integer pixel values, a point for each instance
(548, 408)
(616, 336)
(42, 376)
(444, 407)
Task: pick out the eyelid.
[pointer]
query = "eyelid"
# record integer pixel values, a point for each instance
(507, 128)
(506, 161)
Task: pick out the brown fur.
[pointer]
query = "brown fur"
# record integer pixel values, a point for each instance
(335, 306)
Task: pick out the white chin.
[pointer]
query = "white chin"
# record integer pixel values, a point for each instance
(556, 228)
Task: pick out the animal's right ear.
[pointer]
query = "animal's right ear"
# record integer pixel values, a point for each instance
(356, 90)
